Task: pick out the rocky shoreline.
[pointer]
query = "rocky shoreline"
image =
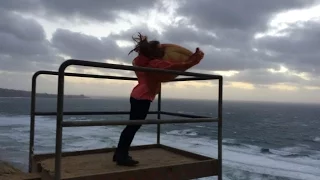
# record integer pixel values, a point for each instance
(6, 168)
(21, 93)
(9, 172)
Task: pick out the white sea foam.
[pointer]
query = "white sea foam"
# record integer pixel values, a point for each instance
(184, 132)
(245, 159)
(239, 162)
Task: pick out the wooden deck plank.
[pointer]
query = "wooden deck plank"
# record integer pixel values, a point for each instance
(153, 162)
(20, 176)
(96, 163)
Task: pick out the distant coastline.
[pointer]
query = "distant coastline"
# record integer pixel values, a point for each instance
(20, 93)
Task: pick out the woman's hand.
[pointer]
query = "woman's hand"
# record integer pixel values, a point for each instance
(197, 56)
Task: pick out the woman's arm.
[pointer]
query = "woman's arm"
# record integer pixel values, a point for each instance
(163, 64)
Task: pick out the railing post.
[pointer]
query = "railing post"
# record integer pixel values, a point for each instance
(159, 115)
(59, 122)
(220, 129)
(32, 119)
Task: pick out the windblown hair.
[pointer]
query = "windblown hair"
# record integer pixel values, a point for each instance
(147, 48)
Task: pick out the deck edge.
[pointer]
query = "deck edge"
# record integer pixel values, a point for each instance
(205, 167)
(36, 158)
(181, 171)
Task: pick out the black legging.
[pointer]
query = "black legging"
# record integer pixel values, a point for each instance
(139, 110)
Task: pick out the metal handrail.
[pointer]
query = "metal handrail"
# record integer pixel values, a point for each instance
(60, 123)
(88, 113)
(134, 122)
(96, 76)
(70, 62)
(115, 113)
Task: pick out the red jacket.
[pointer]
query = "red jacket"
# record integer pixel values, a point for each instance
(148, 85)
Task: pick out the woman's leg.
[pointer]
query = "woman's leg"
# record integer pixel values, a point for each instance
(139, 111)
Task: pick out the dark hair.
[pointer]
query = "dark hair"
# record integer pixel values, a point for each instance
(147, 48)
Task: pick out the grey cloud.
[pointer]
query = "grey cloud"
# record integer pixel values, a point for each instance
(233, 60)
(225, 58)
(234, 23)
(81, 46)
(29, 63)
(20, 5)
(96, 9)
(301, 38)
(179, 34)
(314, 81)
(299, 50)
(184, 35)
(23, 43)
(21, 36)
(13, 45)
(15, 80)
(126, 35)
(229, 14)
(234, 39)
(93, 10)
(264, 77)
(23, 28)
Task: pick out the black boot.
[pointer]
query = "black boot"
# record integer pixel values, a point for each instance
(124, 160)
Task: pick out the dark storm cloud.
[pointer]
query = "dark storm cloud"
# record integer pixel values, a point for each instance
(179, 34)
(216, 57)
(13, 45)
(234, 24)
(230, 14)
(81, 46)
(185, 35)
(20, 5)
(299, 50)
(94, 10)
(227, 60)
(24, 29)
(126, 35)
(21, 36)
(35, 63)
(263, 77)
(23, 43)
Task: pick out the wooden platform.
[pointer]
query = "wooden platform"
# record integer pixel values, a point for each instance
(157, 162)
(21, 176)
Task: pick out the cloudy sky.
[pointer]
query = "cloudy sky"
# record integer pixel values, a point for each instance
(266, 50)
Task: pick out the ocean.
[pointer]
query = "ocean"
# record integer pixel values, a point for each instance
(269, 141)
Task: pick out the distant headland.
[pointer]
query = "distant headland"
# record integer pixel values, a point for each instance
(21, 93)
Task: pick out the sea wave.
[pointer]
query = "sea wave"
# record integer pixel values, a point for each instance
(240, 161)
(183, 132)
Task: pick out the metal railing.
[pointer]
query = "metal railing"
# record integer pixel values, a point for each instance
(60, 97)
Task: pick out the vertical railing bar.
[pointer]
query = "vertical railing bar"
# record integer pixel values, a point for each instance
(159, 115)
(32, 120)
(59, 123)
(220, 129)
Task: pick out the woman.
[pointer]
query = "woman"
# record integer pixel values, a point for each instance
(149, 55)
